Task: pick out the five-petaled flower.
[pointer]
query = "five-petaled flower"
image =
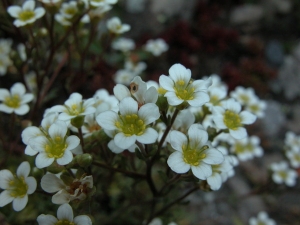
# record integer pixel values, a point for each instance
(16, 187)
(26, 14)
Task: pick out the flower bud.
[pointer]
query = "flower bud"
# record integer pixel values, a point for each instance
(77, 121)
(84, 160)
(55, 168)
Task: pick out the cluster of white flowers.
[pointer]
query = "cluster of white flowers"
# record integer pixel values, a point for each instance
(5, 61)
(282, 173)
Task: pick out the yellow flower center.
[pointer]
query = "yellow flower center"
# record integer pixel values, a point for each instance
(193, 156)
(56, 147)
(131, 124)
(64, 222)
(244, 98)
(214, 100)
(239, 148)
(13, 101)
(26, 15)
(184, 91)
(283, 174)
(18, 187)
(254, 108)
(161, 91)
(232, 120)
(75, 109)
(70, 11)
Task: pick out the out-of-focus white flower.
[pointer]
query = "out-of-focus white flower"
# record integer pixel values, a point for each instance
(50, 2)
(292, 141)
(26, 14)
(193, 152)
(15, 100)
(22, 52)
(230, 117)
(115, 25)
(5, 62)
(101, 3)
(64, 216)
(216, 95)
(16, 187)
(124, 77)
(99, 11)
(257, 107)
(294, 157)
(262, 219)
(283, 174)
(123, 44)
(5, 46)
(69, 9)
(243, 95)
(55, 145)
(131, 124)
(246, 148)
(77, 189)
(135, 67)
(156, 47)
(181, 89)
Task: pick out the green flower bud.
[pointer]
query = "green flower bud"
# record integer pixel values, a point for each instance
(67, 178)
(84, 160)
(77, 121)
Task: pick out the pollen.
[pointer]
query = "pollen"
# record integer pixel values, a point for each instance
(56, 147)
(232, 120)
(26, 15)
(183, 91)
(193, 156)
(18, 187)
(131, 124)
(13, 101)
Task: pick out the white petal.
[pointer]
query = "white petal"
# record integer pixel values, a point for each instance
(121, 91)
(213, 157)
(198, 135)
(18, 89)
(42, 160)
(22, 110)
(179, 72)
(202, 171)
(149, 113)
(6, 109)
(5, 198)
(149, 136)
(31, 182)
(23, 169)
(20, 203)
(240, 133)
(14, 11)
(177, 140)
(114, 148)
(151, 95)
(5, 177)
(247, 117)
(51, 183)
(38, 143)
(30, 132)
(124, 142)
(65, 211)
(215, 181)
(107, 120)
(39, 12)
(177, 164)
(173, 99)
(27, 98)
(166, 83)
(200, 98)
(65, 159)
(72, 142)
(28, 5)
(82, 220)
(61, 197)
(59, 128)
(46, 220)
(128, 106)
(232, 105)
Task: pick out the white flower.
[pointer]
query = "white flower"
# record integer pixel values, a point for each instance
(123, 44)
(230, 117)
(64, 216)
(257, 107)
(114, 25)
(5, 46)
(69, 9)
(5, 62)
(77, 189)
(74, 107)
(156, 221)
(105, 101)
(138, 90)
(16, 187)
(283, 174)
(22, 51)
(101, 3)
(193, 152)
(135, 67)
(292, 140)
(131, 123)
(124, 77)
(216, 95)
(54, 146)
(243, 95)
(247, 148)
(156, 47)
(294, 157)
(15, 100)
(180, 88)
(60, 18)
(26, 14)
(262, 219)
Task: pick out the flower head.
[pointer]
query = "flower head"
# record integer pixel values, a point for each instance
(15, 100)
(114, 25)
(64, 217)
(193, 152)
(262, 219)
(283, 174)
(181, 89)
(26, 14)
(131, 123)
(123, 44)
(16, 187)
(156, 47)
(230, 117)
